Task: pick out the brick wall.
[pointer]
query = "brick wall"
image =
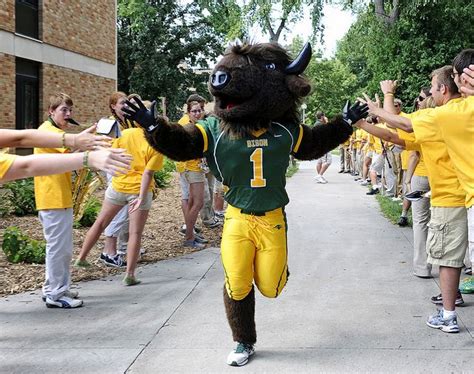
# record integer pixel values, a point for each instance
(89, 93)
(7, 15)
(81, 26)
(7, 91)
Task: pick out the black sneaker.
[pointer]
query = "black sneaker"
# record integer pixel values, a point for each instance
(438, 299)
(200, 239)
(116, 261)
(402, 221)
(373, 191)
(341, 171)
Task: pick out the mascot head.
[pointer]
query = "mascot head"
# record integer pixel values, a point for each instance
(254, 84)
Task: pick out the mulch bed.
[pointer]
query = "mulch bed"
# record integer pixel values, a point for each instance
(161, 240)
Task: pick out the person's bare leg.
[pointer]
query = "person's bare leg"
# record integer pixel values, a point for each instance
(324, 167)
(110, 245)
(195, 203)
(106, 215)
(137, 224)
(449, 283)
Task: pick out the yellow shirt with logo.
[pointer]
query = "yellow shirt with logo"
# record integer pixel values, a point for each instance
(53, 191)
(191, 165)
(445, 188)
(455, 122)
(144, 158)
(6, 160)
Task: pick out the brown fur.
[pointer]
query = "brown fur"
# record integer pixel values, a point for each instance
(241, 317)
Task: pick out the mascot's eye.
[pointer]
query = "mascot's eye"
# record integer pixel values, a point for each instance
(270, 66)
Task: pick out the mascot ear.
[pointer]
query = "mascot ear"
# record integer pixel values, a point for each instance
(298, 86)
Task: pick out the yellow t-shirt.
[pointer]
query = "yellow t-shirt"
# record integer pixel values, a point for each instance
(6, 160)
(191, 165)
(455, 121)
(411, 145)
(376, 143)
(53, 191)
(404, 156)
(144, 158)
(445, 188)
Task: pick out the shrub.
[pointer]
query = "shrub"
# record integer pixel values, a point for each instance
(163, 177)
(6, 202)
(23, 191)
(20, 248)
(91, 210)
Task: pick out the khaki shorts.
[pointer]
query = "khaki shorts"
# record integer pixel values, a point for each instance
(447, 236)
(120, 198)
(470, 235)
(189, 177)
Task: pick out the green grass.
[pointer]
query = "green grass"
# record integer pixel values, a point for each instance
(391, 209)
(292, 169)
(336, 151)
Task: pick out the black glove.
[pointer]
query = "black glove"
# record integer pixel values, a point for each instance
(140, 114)
(354, 113)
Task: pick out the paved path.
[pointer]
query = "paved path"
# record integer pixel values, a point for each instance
(351, 305)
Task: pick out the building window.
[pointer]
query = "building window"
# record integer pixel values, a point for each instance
(26, 18)
(27, 94)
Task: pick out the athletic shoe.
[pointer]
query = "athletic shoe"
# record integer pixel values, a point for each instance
(437, 321)
(373, 191)
(467, 285)
(130, 280)
(213, 224)
(123, 252)
(200, 239)
(341, 171)
(324, 179)
(219, 214)
(468, 271)
(63, 302)
(357, 179)
(240, 355)
(193, 244)
(82, 264)
(364, 183)
(402, 221)
(396, 198)
(68, 293)
(182, 230)
(319, 179)
(116, 261)
(438, 299)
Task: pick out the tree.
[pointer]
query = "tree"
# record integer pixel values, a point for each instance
(158, 43)
(426, 35)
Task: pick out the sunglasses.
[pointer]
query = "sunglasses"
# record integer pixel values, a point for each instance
(421, 98)
(196, 111)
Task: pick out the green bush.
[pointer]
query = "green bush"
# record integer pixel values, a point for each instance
(20, 248)
(163, 177)
(23, 196)
(91, 212)
(6, 202)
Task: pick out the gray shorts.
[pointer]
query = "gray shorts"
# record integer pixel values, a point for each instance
(326, 159)
(447, 236)
(377, 163)
(189, 177)
(120, 198)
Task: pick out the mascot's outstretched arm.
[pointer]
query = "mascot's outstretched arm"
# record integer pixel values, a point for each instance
(321, 139)
(180, 143)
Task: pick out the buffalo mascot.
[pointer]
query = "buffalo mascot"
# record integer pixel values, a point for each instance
(247, 144)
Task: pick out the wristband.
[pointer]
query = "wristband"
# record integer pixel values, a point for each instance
(389, 93)
(63, 140)
(85, 159)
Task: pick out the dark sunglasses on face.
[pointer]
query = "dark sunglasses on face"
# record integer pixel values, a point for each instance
(421, 98)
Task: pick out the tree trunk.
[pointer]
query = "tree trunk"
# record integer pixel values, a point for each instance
(380, 13)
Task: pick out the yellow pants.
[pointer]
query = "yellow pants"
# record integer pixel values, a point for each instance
(254, 248)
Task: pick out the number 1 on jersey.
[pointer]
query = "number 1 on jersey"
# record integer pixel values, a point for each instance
(257, 159)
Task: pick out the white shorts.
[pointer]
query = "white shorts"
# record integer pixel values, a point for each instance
(377, 163)
(326, 159)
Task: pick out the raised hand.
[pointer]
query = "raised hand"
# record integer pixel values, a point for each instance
(354, 113)
(388, 86)
(113, 161)
(140, 114)
(86, 140)
(468, 77)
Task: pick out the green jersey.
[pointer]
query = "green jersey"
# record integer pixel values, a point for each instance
(253, 168)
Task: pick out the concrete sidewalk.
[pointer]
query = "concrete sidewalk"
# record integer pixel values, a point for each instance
(351, 305)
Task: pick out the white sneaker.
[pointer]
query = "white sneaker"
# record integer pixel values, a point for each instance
(63, 302)
(69, 293)
(323, 179)
(319, 179)
(240, 355)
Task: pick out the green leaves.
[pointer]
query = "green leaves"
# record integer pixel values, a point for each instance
(20, 248)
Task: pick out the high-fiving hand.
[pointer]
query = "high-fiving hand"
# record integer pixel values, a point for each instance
(140, 114)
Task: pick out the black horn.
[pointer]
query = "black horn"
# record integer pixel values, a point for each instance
(301, 62)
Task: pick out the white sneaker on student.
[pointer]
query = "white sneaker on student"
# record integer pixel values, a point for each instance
(240, 355)
(63, 302)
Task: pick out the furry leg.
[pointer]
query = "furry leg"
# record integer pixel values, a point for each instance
(241, 317)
